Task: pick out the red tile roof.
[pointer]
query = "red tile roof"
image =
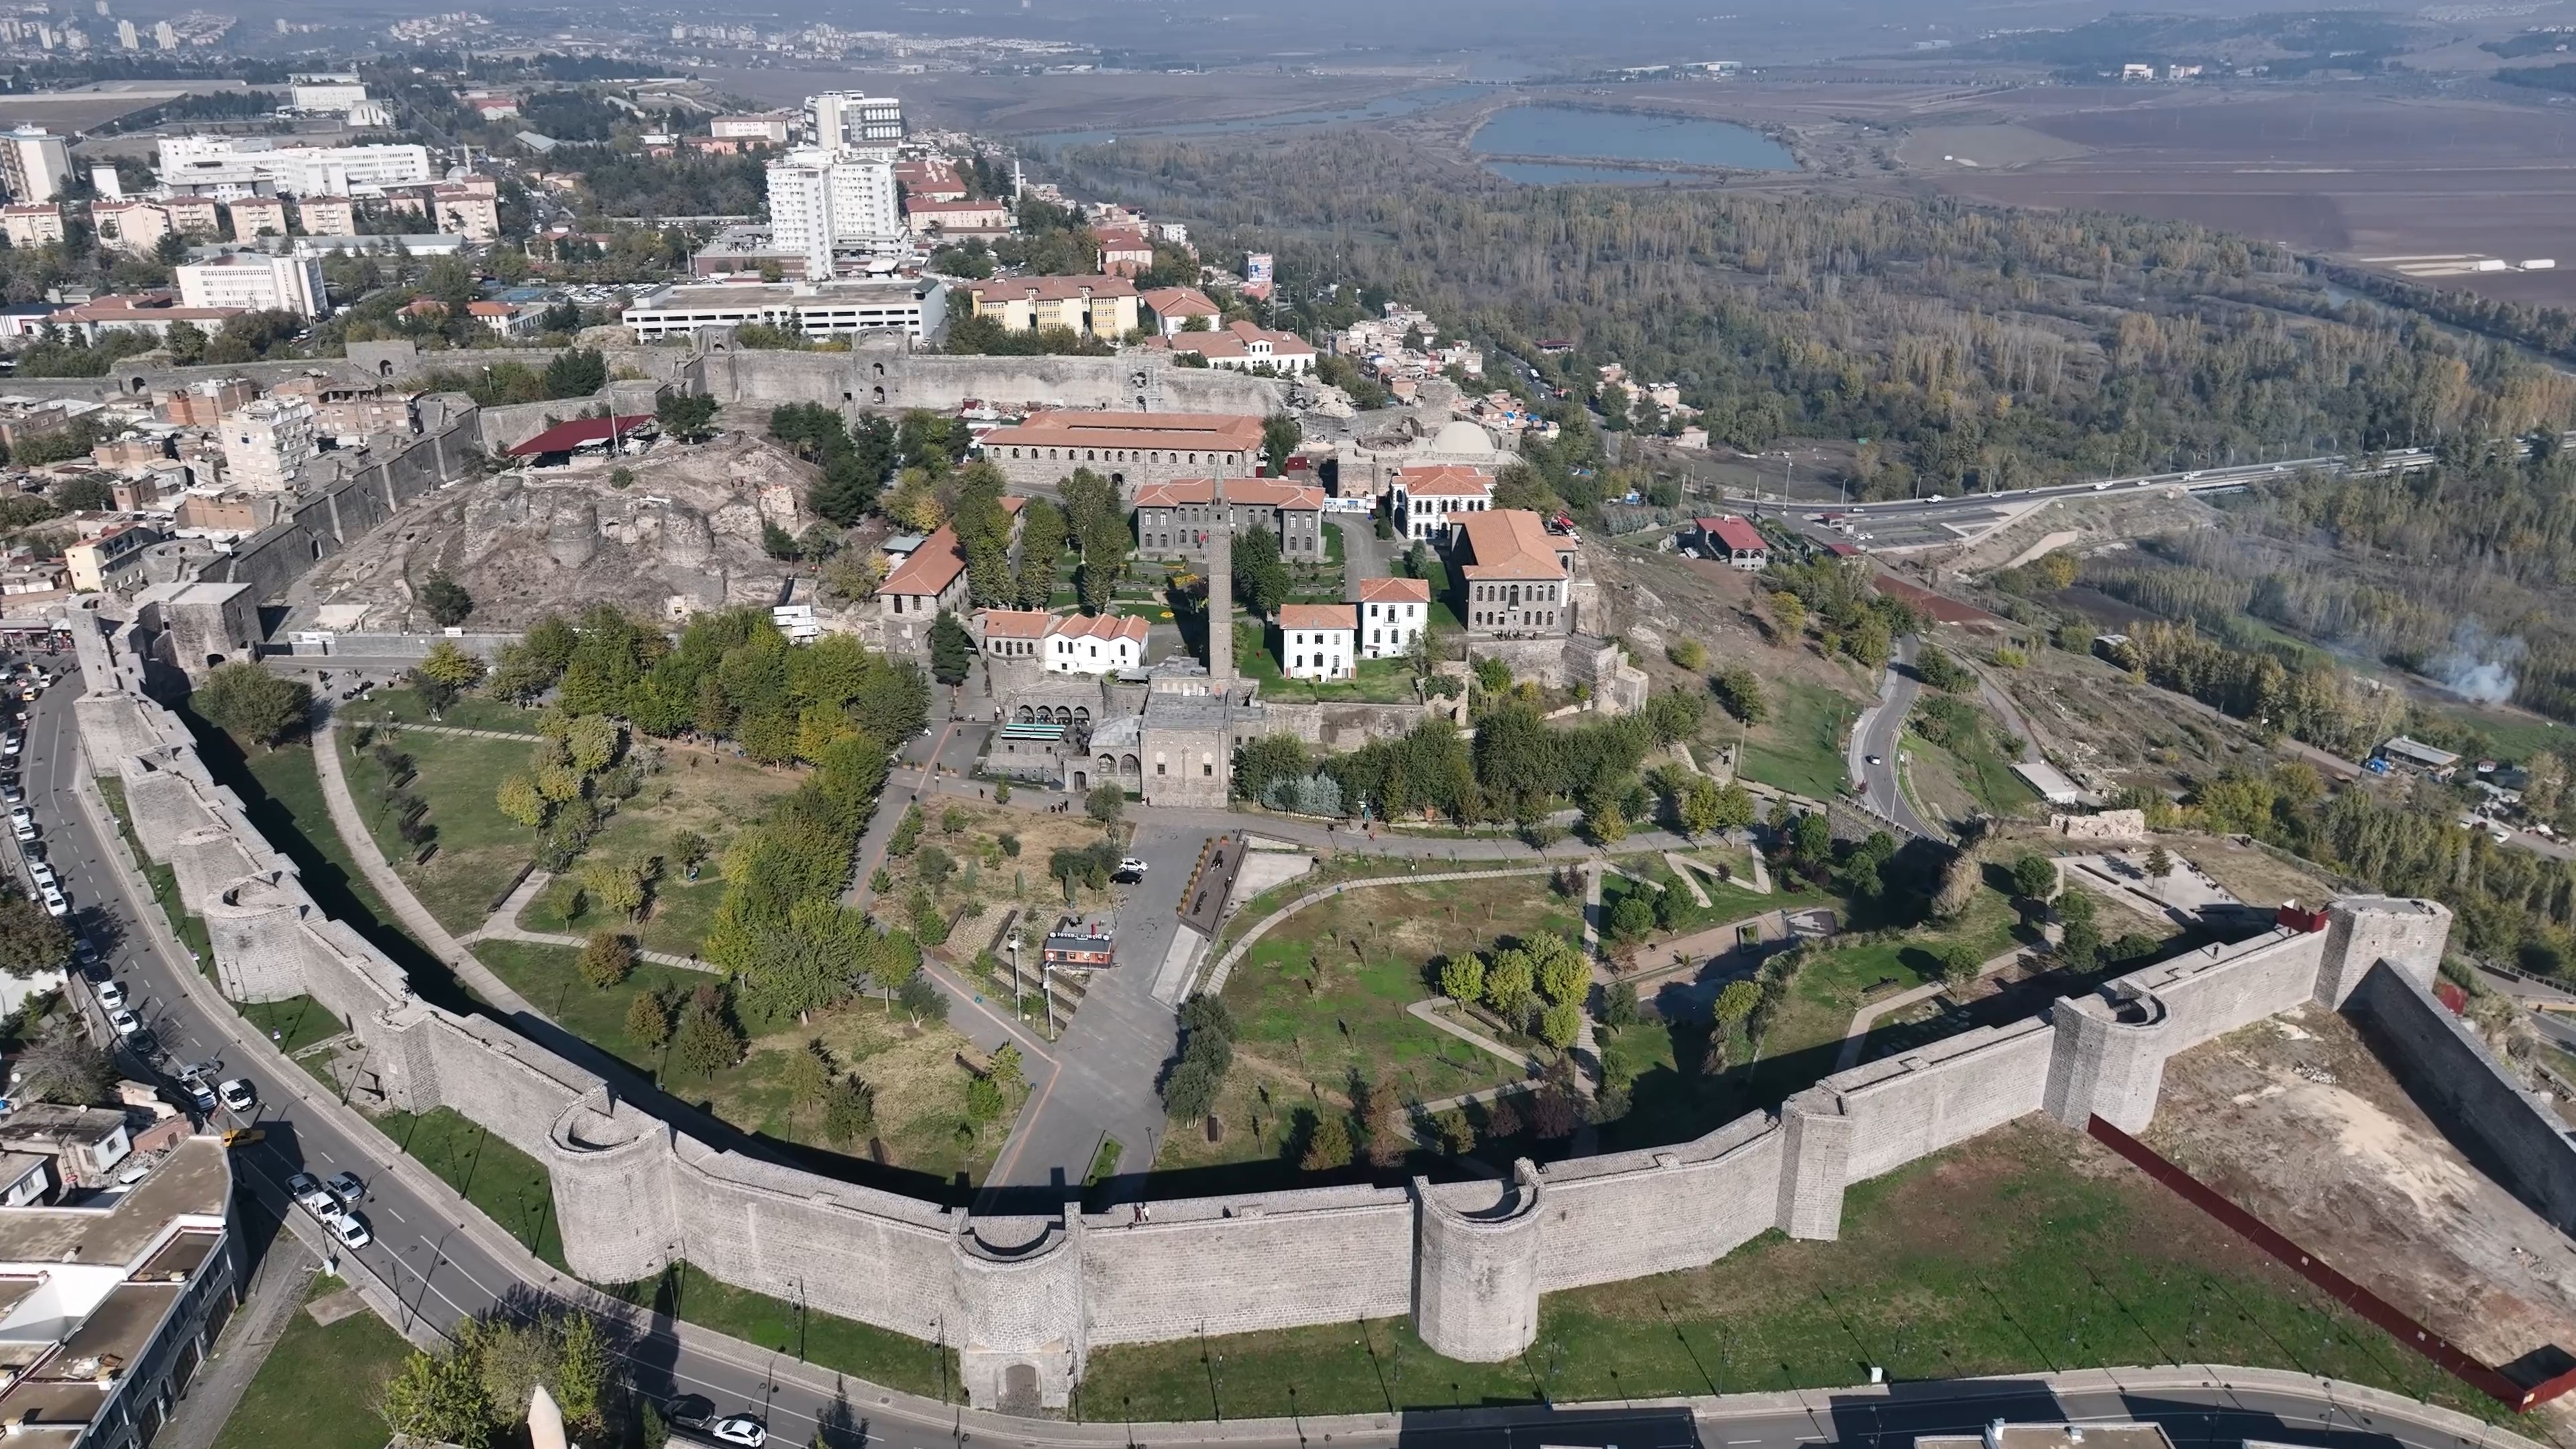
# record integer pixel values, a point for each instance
(1016, 623)
(1445, 480)
(1318, 616)
(1734, 534)
(1395, 591)
(1104, 627)
(1170, 432)
(1268, 492)
(937, 563)
(1181, 302)
(564, 437)
(1051, 289)
(1509, 543)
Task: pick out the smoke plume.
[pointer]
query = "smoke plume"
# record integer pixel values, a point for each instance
(2477, 666)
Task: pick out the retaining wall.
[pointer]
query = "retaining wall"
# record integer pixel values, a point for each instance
(1024, 1298)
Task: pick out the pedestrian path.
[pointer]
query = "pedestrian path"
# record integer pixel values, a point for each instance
(503, 925)
(444, 729)
(1856, 1036)
(1428, 1011)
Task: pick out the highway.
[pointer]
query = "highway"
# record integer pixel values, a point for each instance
(442, 1261)
(1867, 518)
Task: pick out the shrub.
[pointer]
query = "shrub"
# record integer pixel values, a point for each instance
(607, 958)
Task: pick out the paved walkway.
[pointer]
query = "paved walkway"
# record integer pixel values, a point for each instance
(275, 1292)
(397, 893)
(442, 729)
(1856, 1036)
(1428, 1011)
(503, 925)
(1215, 982)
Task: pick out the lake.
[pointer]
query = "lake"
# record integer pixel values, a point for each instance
(1403, 103)
(1586, 134)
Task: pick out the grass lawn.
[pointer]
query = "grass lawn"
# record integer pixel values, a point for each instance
(697, 791)
(480, 850)
(1799, 748)
(318, 1387)
(1378, 681)
(2028, 1250)
(164, 881)
(896, 1360)
(293, 1024)
(920, 1090)
(1320, 1004)
(504, 1182)
(470, 712)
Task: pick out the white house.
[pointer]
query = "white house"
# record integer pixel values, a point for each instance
(1424, 497)
(1318, 641)
(1102, 644)
(1393, 613)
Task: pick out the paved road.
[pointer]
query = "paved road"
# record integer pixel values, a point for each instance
(446, 1263)
(1877, 738)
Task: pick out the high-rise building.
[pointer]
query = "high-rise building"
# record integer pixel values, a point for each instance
(265, 443)
(126, 39)
(255, 282)
(34, 164)
(846, 118)
(821, 199)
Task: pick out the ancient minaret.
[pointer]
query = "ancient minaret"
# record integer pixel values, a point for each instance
(1220, 597)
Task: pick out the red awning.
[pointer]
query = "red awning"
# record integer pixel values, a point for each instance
(580, 432)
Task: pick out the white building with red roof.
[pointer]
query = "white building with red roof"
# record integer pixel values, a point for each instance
(1393, 614)
(1319, 641)
(1247, 348)
(1426, 499)
(1170, 309)
(1732, 540)
(1095, 644)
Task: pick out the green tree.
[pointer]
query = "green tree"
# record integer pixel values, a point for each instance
(849, 1111)
(575, 372)
(2160, 863)
(450, 666)
(1328, 1147)
(807, 1076)
(1511, 984)
(592, 741)
(1960, 963)
(1280, 435)
(706, 1042)
(1739, 690)
(31, 940)
(251, 704)
(648, 1020)
(1104, 804)
(1633, 918)
(1734, 1005)
(952, 649)
(2034, 877)
(686, 416)
(1563, 973)
(607, 958)
(1560, 1025)
(1462, 976)
(1261, 577)
(446, 600)
(438, 1398)
(518, 800)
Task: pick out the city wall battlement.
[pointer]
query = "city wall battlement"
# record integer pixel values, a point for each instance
(1025, 1298)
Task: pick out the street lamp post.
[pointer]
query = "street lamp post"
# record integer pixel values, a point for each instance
(1016, 1008)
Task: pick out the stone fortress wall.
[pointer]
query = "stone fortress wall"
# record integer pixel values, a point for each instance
(1026, 1298)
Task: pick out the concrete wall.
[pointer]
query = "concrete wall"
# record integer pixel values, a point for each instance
(1025, 1298)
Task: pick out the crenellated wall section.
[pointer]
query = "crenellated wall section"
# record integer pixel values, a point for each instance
(1025, 1299)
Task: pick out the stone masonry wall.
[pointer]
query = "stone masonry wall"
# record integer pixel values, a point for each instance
(1024, 1298)
(2512, 1134)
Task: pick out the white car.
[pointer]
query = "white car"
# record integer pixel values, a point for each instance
(238, 1094)
(125, 1022)
(42, 873)
(13, 744)
(329, 1209)
(56, 904)
(740, 1429)
(2098, 487)
(112, 995)
(22, 822)
(351, 1229)
(1132, 864)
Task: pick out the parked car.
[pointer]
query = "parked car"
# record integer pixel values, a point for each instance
(689, 1411)
(22, 822)
(741, 1429)
(238, 1094)
(307, 1190)
(199, 1095)
(347, 1187)
(125, 1022)
(352, 1230)
(112, 995)
(57, 905)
